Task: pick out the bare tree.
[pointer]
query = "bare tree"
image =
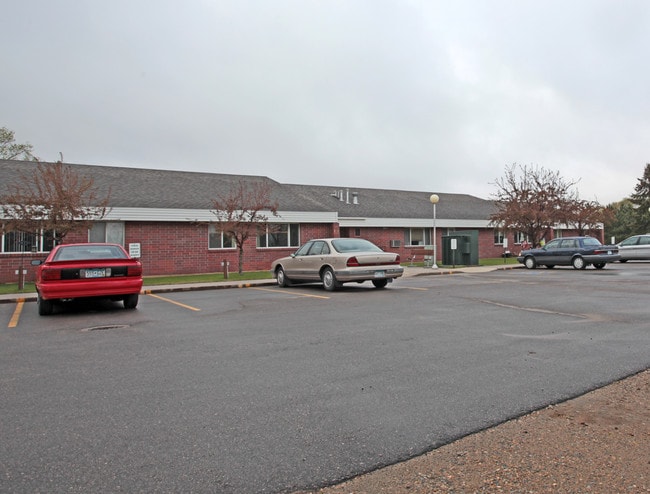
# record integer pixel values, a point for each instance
(532, 200)
(588, 215)
(243, 212)
(51, 197)
(10, 150)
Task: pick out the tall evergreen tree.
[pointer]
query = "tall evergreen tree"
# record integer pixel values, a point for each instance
(621, 222)
(641, 202)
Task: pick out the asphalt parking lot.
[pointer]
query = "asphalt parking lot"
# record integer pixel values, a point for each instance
(265, 389)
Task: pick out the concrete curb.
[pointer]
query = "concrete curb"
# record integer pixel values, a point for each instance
(187, 287)
(182, 287)
(464, 270)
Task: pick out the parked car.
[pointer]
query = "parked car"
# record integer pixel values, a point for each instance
(334, 261)
(635, 248)
(81, 271)
(578, 252)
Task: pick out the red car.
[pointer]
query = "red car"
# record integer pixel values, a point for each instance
(74, 271)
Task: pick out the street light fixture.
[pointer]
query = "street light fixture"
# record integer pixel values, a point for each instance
(434, 200)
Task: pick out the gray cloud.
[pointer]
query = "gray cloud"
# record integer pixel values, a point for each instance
(418, 95)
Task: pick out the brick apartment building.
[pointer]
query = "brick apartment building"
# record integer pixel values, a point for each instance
(168, 214)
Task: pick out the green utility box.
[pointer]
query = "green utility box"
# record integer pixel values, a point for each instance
(460, 248)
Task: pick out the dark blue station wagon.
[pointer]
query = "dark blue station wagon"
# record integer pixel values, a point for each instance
(578, 252)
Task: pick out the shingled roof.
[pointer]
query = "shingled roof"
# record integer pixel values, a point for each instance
(354, 202)
(169, 189)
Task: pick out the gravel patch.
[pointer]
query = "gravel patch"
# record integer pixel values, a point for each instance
(596, 443)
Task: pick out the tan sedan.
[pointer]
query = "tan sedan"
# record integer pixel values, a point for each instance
(334, 261)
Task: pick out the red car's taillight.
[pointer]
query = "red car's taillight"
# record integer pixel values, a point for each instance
(51, 274)
(352, 262)
(134, 271)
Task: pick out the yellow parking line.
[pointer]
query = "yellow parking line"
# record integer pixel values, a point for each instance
(414, 288)
(276, 290)
(172, 301)
(13, 322)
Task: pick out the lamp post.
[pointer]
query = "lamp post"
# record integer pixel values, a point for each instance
(434, 200)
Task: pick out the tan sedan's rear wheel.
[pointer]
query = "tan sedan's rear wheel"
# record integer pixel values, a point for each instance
(330, 282)
(380, 283)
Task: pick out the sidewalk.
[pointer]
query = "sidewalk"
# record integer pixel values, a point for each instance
(409, 271)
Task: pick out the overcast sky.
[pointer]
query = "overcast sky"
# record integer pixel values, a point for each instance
(435, 96)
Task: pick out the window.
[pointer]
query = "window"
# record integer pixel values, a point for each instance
(107, 231)
(219, 240)
(569, 243)
(498, 236)
(302, 251)
(280, 235)
(521, 238)
(591, 242)
(417, 236)
(319, 248)
(633, 241)
(27, 242)
(553, 244)
(357, 232)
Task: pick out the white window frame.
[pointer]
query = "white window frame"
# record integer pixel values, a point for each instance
(38, 238)
(214, 234)
(521, 237)
(113, 232)
(291, 230)
(423, 236)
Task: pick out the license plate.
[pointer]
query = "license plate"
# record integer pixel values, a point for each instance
(94, 273)
(380, 274)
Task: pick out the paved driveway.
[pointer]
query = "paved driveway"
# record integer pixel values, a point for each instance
(273, 390)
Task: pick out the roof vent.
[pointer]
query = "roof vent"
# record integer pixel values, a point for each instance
(345, 196)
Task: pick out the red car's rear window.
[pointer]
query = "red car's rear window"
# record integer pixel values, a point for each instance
(88, 252)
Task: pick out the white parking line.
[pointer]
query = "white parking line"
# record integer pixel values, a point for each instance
(290, 292)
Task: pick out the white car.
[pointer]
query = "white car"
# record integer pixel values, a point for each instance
(635, 248)
(334, 261)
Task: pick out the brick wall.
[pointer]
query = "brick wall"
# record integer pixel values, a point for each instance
(176, 248)
(182, 248)
(10, 263)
